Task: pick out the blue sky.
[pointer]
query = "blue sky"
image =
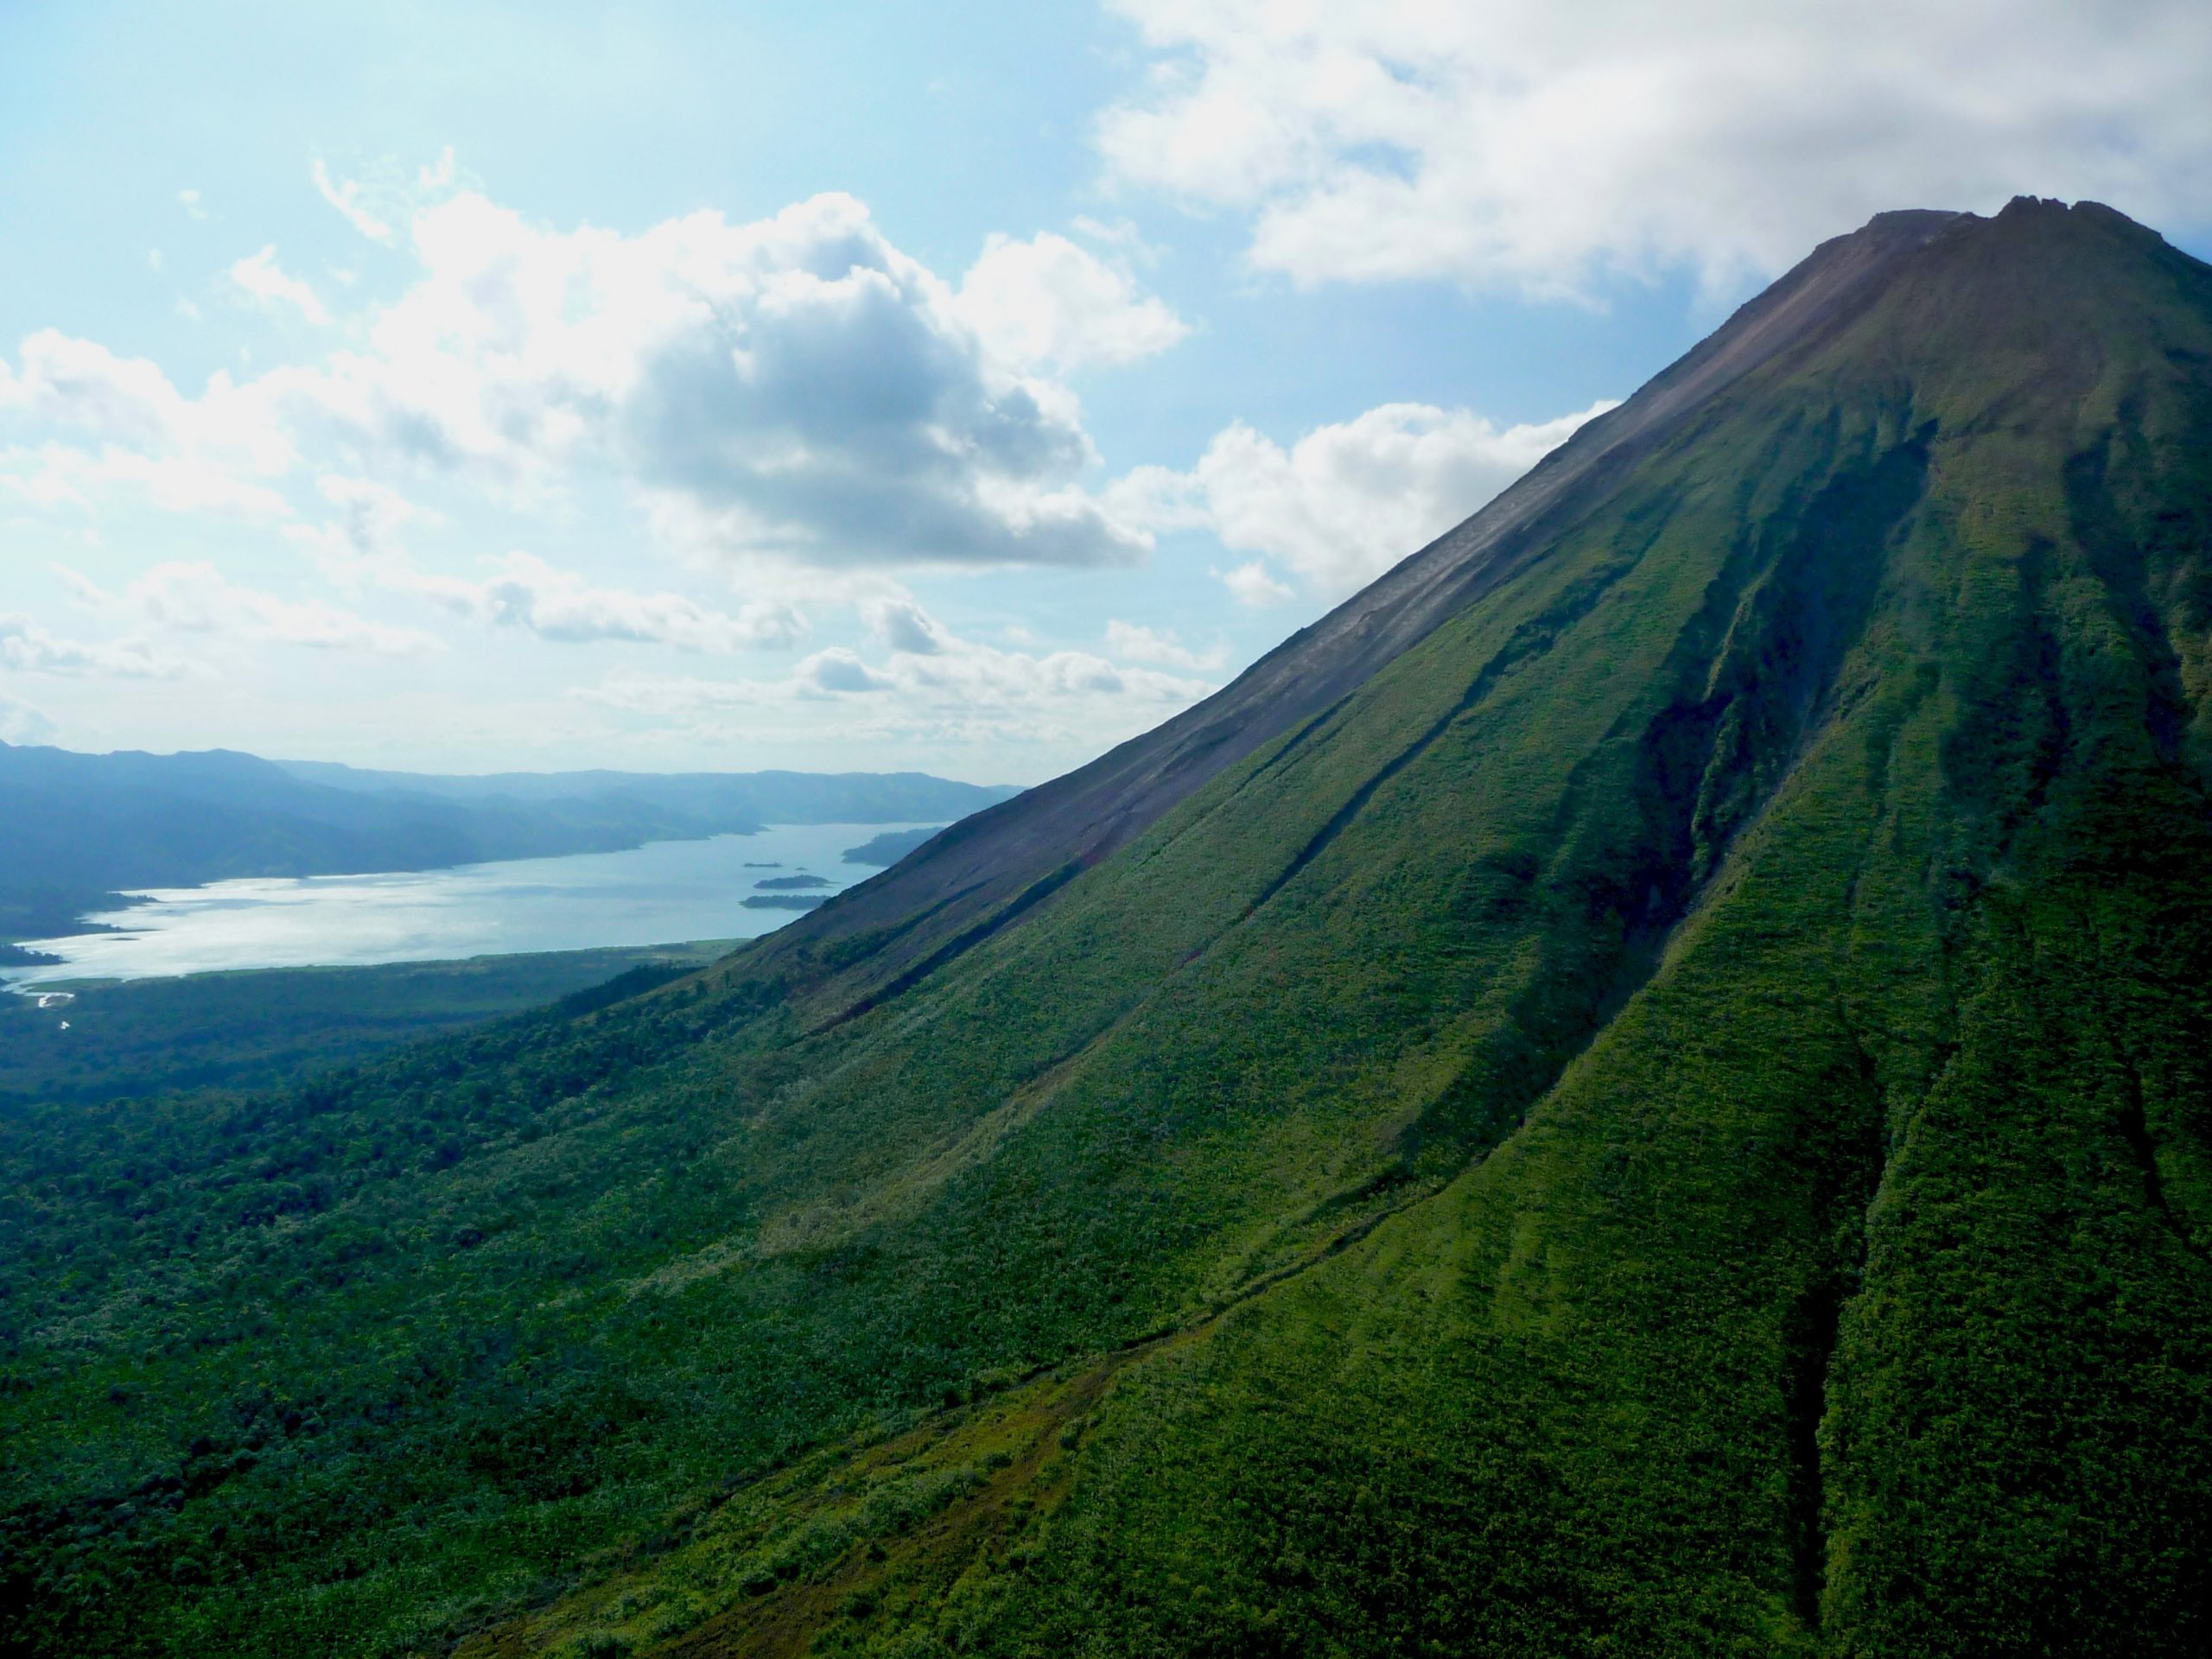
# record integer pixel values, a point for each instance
(851, 385)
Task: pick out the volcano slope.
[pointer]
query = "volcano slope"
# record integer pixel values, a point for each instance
(1645, 1092)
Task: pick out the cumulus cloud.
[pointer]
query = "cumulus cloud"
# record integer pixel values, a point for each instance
(146, 439)
(1253, 584)
(21, 723)
(194, 597)
(361, 548)
(1347, 501)
(1533, 146)
(1048, 303)
(56, 475)
(837, 670)
(260, 275)
(795, 387)
(80, 385)
(26, 646)
(1161, 646)
(346, 197)
(361, 544)
(561, 606)
(794, 392)
(933, 681)
(901, 624)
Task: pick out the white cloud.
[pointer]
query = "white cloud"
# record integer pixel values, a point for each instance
(794, 392)
(362, 543)
(81, 385)
(561, 606)
(28, 647)
(795, 388)
(58, 475)
(21, 723)
(76, 383)
(1347, 501)
(347, 199)
(901, 624)
(193, 597)
(189, 200)
(149, 442)
(1253, 584)
(1120, 234)
(82, 589)
(361, 548)
(260, 275)
(1048, 303)
(956, 689)
(838, 670)
(966, 673)
(1136, 644)
(1529, 145)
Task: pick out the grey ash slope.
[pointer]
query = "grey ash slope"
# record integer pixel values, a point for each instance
(989, 869)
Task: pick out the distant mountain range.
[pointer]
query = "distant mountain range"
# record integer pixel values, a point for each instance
(77, 827)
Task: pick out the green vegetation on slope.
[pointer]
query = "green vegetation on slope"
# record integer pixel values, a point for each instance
(253, 1029)
(1672, 1120)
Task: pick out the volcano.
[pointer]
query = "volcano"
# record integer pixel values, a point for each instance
(1643, 1087)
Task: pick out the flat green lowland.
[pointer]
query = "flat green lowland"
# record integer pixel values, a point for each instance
(256, 1027)
(1644, 1088)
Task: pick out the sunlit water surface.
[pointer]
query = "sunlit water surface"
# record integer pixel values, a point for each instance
(656, 894)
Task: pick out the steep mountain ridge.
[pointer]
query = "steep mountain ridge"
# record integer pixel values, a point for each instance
(1017, 854)
(1670, 1118)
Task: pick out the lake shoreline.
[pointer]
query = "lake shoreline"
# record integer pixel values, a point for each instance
(690, 888)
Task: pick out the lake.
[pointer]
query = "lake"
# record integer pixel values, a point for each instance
(656, 894)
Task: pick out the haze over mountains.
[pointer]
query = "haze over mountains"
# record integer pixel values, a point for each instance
(1640, 1088)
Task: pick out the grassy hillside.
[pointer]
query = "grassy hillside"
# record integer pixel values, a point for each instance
(1671, 1119)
